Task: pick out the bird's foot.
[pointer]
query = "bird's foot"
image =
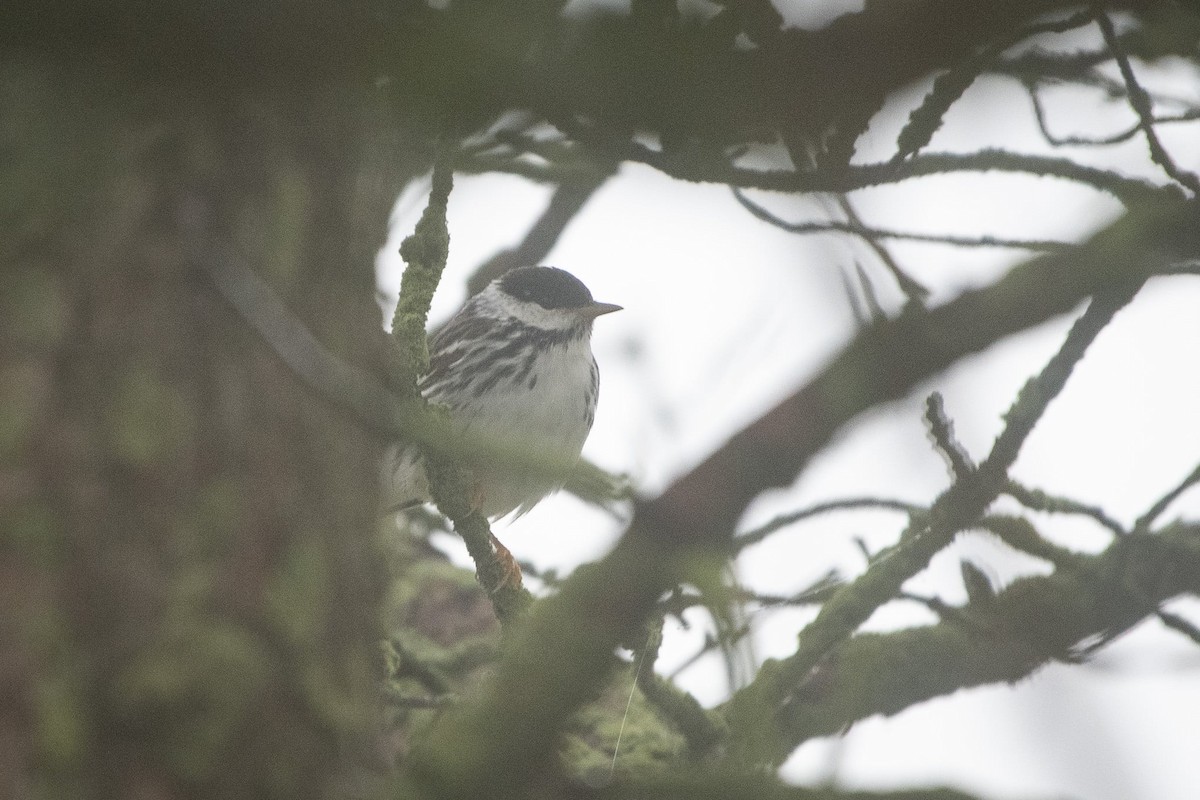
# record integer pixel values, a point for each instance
(510, 570)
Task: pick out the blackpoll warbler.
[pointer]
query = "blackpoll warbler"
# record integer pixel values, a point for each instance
(514, 365)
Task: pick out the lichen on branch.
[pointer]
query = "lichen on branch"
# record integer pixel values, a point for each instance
(425, 252)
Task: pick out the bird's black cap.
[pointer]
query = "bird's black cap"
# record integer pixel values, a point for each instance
(549, 287)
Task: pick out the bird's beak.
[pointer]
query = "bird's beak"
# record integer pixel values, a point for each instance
(597, 309)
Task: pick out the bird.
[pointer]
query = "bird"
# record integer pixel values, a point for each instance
(514, 365)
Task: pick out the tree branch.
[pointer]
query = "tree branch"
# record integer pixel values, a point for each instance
(425, 252)
(752, 712)
(1130, 191)
(1034, 621)
(1141, 104)
(498, 742)
(948, 87)
(867, 234)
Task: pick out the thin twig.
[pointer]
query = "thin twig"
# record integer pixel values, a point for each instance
(818, 592)
(1037, 500)
(698, 727)
(867, 233)
(711, 644)
(1020, 534)
(916, 292)
(1142, 524)
(950, 86)
(1130, 191)
(944, 611)
(1179, 625)
(941, 428)
(756, 535)
(804, 158)
(1039, 114)
(1139, 101)
(874, 309)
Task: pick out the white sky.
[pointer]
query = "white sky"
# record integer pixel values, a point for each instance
(726, 315)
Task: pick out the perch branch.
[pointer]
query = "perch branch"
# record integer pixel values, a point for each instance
(425, 252)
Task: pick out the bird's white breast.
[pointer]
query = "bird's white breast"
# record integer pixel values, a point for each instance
(547, 412)
(553, 412)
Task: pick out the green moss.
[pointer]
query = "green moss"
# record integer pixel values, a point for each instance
(424, 252)
(34, 531)
(297, 601)
(285, 250)
(24, 390)
(642, 742)
(148, 419)
(203, 681)
(217, 508)
(297, 592)
(62, 726)
(334, 692)
(35, 313)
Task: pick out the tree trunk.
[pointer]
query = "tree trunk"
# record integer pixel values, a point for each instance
(190, 580)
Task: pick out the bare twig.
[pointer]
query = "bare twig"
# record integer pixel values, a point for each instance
(1179, 625)
(1139, 101)
(916, 292)
(874, 312)
(868, 233)
(1130, 191)
(1037, 500)
(1143, 523)
(744, 540)
(1039, 113)
(941, 428)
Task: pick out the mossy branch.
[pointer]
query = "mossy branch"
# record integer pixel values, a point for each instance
(752, 711)
(1003, 639)
(425, 252)
(1129, 191)
(948, 87)
(702, 729)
